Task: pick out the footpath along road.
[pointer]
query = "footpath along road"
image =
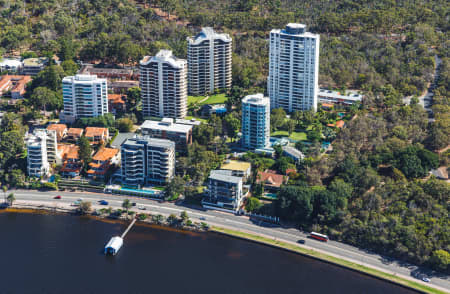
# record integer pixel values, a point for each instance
(238, 223)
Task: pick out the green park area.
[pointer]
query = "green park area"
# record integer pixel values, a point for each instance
(202, 100)
(296, 136)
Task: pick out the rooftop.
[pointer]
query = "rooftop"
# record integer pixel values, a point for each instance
(166, 125)
(10, 62)
(165, 56)
(120, 138)
(295, 29)
(59, 128)
(75, 132)
(270, 178)
(35, 61)
(105, 154)
(140, 140)
(236, 165)
(95, 132)
(82, 79)
(256, 99)
(14, 82)
(220, 176)
(353, 95)
(293, 152)
(116, 98)
(68, 151)
(208, 33)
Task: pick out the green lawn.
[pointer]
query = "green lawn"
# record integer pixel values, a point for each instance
(196, 118)
(297, 136)
(213, 99)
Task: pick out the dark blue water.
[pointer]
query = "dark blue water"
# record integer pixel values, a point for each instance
(63, 254)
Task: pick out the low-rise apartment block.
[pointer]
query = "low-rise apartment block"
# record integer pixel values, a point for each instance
(60, 129)
(11, 65)
(37, 160)
(32, 66)
(224, 191)
(15, 85)
(181, 134)
(146, 160)
(72, 164)
(102, 161)
(96, 135)
(74, 134)
(330, 96)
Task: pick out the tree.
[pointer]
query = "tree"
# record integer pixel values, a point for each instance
(11, 198)
(233, 125)
(126, 204)
(85, 150)
(290, 126)
(5, 189)
(70, 67)
(252, 204)
(172, 219)
(184, 217)
(277, 118)
(124, 124)
(258, 190)
(44, 98)
(441, 259)
(84, 207)
(175, 187)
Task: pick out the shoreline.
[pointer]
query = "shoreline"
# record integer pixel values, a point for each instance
(247, 236)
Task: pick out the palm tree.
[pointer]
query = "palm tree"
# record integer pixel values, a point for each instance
(127, 205)
(11, 198)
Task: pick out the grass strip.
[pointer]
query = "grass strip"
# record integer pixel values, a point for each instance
(329, 258)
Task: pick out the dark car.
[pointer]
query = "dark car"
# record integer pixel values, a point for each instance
(103, 202)
(57, 197)
(301, 241)
(133, 204)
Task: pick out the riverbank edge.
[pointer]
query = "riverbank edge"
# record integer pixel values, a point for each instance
(328, 258)
(248, 237)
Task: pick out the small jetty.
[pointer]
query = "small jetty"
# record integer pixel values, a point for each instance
(116, 242)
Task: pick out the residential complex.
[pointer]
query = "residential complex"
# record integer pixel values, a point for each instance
(84, 96)
(147, 160)
(293, 68)
(32, 66)
(37, 161)
(224, 190)
(255, 122)
(209, 62)
(15, 85)
(163, 82)
(329, 96)
(96, 135)
(109, 73)
(179, 133)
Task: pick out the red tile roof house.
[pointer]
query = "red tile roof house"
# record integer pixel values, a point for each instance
(270, 179)
(116, 103)
(101, 162)
(61, 130)
(71, 161)
(15, 84)
(96, 135)
(74, 134)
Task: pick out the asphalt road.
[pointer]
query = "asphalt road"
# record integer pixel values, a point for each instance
(242, 223)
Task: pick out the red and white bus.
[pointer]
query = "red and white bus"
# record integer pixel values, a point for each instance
(318, 236)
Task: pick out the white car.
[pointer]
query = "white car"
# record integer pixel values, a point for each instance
(425, 279)
(142, 208)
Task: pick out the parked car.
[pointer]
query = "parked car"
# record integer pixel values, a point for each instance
(57, 197)
(80, 199)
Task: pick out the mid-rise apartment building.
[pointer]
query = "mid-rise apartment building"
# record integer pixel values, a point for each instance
(209, 62)
(179, 133)
(37, 161)
(163, 82)
(255, 122)
(293, 68)
(84, 96)
(224, 190)
(147, 160)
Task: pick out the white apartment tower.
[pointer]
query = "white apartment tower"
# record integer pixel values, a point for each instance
(255, 122)
(293, 68)
(84, 96)
(37, 160)
(209, 62)
(147, 160)
(163, 82)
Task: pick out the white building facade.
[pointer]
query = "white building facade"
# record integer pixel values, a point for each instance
(84, 96)
(255, 122)
(147, 160)
(293, 81)
(37, 160)
(209, 62)
(163, 82)
(224, 191)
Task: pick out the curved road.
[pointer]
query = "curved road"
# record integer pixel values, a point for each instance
(239, 223)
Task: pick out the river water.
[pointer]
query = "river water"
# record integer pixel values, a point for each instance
(45, 253)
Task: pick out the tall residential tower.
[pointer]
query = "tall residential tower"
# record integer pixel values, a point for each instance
(255, 122)
(293, 68)
(209, 62)
(163, 82)
(84, 96)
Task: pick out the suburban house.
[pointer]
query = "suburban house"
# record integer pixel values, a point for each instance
(15, 85)
(96, 135)
(116, 103)
(238, 168)
(102, 161)
(74, 134)
(224, 191)
(270, 179)
(60, 129)
(72, 165)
